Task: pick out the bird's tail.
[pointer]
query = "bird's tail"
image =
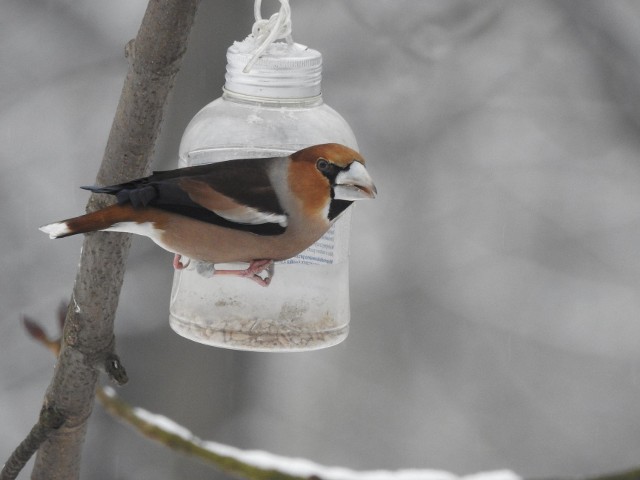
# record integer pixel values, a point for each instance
(99, 220)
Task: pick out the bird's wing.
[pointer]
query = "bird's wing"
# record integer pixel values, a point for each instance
(234, 194)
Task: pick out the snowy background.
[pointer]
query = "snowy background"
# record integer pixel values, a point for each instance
(495, 280)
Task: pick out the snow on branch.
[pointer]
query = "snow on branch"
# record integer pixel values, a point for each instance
(255, 464)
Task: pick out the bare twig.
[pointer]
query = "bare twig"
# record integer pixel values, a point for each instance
(50, 420)
(167, 433)
(38, 333)
(88, 340)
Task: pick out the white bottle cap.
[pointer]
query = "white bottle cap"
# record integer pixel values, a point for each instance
(282, 71)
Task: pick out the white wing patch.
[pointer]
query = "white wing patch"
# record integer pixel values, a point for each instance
(253, 216)
(146, 229)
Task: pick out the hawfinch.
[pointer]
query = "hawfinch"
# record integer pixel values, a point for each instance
(253, 210)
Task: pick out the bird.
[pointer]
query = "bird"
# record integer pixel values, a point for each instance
(256, 210)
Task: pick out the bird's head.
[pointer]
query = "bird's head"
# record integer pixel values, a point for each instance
(330, 176)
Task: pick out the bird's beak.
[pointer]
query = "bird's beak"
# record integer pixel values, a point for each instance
(354, 183)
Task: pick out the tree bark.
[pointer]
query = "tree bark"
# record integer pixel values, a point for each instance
(88, 339)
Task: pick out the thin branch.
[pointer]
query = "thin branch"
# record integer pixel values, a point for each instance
(88, 340)
(259, 465)
(177, 438)
(50, 420)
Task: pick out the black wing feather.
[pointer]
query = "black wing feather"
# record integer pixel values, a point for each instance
(246, 182)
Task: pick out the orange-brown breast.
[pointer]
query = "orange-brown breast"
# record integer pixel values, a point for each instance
(205, 241)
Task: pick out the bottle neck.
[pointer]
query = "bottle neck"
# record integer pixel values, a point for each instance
(302, 102)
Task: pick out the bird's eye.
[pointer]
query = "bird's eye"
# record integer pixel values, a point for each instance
(322, 165)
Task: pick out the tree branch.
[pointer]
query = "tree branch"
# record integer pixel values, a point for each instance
(49, 421)
(88, 340)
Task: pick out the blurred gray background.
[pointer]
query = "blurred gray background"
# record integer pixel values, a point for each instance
(495, 281)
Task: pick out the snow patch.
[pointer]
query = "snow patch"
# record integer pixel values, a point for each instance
(164, 423)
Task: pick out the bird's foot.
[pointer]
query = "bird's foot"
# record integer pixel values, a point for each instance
(177, 262)
(253, 272)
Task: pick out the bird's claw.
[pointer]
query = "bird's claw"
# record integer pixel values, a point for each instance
(259, 271)
(253, 272)
(177, 262)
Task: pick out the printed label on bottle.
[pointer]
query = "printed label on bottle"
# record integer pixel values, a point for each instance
(320, 253)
